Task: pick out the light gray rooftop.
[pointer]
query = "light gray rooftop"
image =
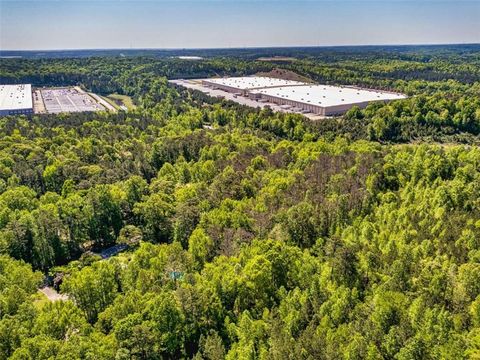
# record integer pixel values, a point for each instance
(16, 97)
(327, 95)
(253, 82)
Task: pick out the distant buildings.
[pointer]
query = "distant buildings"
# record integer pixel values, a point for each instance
(301, 97)
(16, 99)
(190, 57)
(19, 99)
(288, 95)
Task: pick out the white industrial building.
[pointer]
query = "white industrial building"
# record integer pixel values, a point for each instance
(301, 97)
(323, 99)
(16, 99)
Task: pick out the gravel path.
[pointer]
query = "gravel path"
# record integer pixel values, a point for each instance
(52, 294)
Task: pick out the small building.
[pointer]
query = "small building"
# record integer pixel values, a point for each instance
(16, 99)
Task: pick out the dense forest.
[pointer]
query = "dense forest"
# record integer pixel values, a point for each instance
(249, 234)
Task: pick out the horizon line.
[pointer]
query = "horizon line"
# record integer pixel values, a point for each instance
(240, 47)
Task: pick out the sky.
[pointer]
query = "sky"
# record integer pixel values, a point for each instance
(121, 24)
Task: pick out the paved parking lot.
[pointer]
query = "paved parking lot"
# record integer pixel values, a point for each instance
(197, 85)
(67, 100)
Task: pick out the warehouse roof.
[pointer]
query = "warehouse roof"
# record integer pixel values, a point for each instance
(253, 82)
(326, 95)
(16, 97)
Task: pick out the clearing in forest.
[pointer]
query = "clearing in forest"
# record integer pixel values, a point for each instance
(285, 75)
(123, 102)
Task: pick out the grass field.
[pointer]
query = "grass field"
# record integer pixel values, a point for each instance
(118, 100)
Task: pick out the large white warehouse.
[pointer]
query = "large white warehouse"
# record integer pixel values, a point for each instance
(16, 99)
(301, 97)
(324, 99)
